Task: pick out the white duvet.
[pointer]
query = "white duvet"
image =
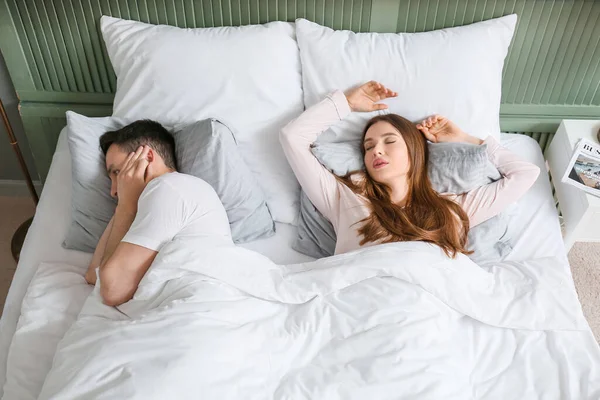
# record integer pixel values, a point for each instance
(387, 322)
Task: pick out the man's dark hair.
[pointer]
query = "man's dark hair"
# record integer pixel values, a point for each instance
(139, 133)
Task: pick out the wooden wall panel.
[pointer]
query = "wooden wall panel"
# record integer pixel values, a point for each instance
(57, 60)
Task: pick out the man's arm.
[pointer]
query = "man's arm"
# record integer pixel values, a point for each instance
(90, 275)
(122, 221)
(124, 264)
(122, 274)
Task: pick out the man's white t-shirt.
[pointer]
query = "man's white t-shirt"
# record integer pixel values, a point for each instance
(177, 206)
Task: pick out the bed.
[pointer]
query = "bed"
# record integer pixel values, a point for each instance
(60, 289)
(50, 309)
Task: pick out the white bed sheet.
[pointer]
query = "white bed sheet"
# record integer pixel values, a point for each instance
(536, 228)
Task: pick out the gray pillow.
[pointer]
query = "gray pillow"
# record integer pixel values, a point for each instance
(316, 236)
(459, 167)
(207, 149)
(92, 207)
(453, 168)
(91, 203)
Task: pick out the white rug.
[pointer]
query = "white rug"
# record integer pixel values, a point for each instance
(585, 264)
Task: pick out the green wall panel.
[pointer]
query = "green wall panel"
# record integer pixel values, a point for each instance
(42, 133)
(62, 49)
(555, 54)
(57, 60)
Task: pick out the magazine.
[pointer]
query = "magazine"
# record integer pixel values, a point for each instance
(584, 168)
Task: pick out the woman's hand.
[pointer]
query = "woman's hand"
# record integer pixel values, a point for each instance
(365, 97)
(438, 129)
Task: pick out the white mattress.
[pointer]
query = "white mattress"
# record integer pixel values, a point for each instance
(535, 227)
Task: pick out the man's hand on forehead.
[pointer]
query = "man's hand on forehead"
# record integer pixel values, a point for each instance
(131, 179)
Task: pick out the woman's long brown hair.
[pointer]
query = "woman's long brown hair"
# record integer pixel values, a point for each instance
(427, 216)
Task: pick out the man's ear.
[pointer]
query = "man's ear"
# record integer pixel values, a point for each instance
(150, 156)
(150, 166)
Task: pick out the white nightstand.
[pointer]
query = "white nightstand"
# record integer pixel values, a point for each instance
(580, 211)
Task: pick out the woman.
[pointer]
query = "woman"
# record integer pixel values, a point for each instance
(393, 199)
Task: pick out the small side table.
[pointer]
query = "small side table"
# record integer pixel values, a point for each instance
(580, 210)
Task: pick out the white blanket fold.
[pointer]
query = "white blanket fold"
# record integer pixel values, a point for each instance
(393, 321)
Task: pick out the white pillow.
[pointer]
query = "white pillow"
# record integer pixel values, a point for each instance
(456, 72)
(248, 77)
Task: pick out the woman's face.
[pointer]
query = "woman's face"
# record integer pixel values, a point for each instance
(386, 154)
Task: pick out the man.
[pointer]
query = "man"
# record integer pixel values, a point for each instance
(156, 205)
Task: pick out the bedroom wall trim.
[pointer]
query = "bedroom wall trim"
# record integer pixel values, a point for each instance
(17, 188)
(58, 109)
(542, 118)
(65, 97)
(53, 104)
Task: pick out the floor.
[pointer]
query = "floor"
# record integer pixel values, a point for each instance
(584, 259)
(13, 212)
(585, 265)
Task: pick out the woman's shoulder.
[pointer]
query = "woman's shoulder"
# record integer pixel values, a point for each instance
(352, 181)
(356, 180)
(450, 196)
(358, 177)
